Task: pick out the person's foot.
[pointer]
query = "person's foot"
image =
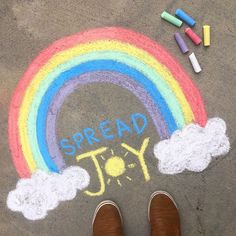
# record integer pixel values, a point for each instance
(107, 220)
(163, 215)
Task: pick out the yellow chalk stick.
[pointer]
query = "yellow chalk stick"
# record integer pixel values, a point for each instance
(206, 35)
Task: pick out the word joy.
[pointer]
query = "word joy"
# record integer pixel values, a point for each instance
(115, 167)
(104, 131)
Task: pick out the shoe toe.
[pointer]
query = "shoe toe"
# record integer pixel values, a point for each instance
(107, 221)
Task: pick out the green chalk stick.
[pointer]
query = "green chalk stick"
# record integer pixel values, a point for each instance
(173, 20)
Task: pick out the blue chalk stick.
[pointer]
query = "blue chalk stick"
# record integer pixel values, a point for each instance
(185, 17)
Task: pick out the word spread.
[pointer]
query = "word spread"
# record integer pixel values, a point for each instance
(106, 130)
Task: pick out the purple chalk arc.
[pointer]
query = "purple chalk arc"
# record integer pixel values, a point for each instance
(97, 77)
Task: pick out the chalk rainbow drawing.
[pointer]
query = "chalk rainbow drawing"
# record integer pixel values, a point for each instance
(139, 62)
(122, 57)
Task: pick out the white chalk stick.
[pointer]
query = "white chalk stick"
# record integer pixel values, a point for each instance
(194, 63)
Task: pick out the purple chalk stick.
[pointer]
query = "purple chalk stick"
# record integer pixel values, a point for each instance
(182, 45)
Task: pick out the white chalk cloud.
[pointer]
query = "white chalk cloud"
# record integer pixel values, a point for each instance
(35, 196)
(192, 148)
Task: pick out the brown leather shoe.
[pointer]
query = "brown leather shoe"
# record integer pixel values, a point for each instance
(107, 220)
(163, 215)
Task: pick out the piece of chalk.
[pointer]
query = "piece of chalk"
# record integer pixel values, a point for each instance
(185, 17)
(193, 36)
(180, 41)
(206, 35)
(172, 19)
(195, 63)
